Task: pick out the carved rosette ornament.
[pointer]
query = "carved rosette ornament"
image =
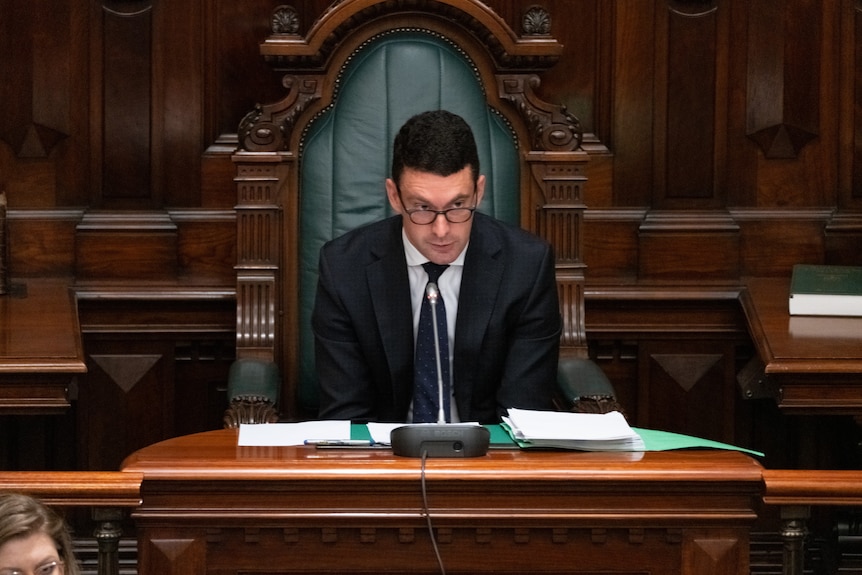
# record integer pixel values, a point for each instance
(285, 20)
(536, 22)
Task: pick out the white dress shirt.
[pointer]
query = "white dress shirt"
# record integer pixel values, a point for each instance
(449, 285)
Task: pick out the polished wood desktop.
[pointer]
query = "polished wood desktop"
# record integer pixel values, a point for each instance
(813, 365)
(40, 346)
(210, 506)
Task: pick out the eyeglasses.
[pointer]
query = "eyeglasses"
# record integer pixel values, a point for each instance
(50, 568)
(425, 217)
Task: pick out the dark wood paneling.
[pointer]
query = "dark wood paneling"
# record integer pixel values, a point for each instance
(851, 102)
(683, 103)
(689, 96)
(634, 41)
(158, 368)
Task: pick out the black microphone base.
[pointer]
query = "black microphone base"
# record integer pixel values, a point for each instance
(440, 440)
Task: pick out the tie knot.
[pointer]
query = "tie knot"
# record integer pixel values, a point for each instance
(434, 270)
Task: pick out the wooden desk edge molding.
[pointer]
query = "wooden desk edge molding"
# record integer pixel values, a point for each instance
(253, 509)
(796, 491)
(38, 379)
(106, 492)
(812, 487)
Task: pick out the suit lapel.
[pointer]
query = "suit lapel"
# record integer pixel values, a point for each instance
(480, 286)
(390, 296)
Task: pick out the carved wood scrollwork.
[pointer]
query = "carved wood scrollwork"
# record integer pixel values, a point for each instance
(267, 128)
(552, 127)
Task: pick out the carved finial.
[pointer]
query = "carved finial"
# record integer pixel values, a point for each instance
(285, 20)
(536, 22)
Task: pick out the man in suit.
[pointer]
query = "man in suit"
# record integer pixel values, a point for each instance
(499, 290)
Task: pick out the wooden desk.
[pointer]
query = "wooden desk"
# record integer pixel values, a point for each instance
(40, 346)
(812, 364)
(212, 507)
(797, 491)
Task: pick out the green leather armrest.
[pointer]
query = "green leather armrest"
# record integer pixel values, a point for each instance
(579, 378)
(254, 379)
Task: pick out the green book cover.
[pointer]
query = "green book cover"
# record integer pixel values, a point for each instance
(826, 280)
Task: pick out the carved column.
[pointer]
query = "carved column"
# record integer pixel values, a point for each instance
(794, 531)
(560, 220)
(557, 165)
(259, 177)
(107, 534)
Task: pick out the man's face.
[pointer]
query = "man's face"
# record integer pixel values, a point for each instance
(441, 241)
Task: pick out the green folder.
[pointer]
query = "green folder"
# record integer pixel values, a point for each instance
(653, 440)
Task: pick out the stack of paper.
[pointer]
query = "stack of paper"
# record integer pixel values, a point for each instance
(581, 431)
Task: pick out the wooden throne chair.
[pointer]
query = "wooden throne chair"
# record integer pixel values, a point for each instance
(312, 165)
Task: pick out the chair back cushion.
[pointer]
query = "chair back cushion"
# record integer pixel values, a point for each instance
(346, 151)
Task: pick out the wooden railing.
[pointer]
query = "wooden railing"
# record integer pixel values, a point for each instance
(107, 493)
(797, 491)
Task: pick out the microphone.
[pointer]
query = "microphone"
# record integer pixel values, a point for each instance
(441, 439)
(432, 293)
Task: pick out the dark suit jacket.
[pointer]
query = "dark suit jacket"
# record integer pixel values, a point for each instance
(507, 333)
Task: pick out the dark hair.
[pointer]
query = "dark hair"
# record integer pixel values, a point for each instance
(438, 142)
(22, 516)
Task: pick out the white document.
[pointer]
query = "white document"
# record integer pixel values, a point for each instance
(282, 434)
(582, 431)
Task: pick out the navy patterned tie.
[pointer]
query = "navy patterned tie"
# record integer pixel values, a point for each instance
(425, 392)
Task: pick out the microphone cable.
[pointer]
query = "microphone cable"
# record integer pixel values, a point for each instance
(427, 513)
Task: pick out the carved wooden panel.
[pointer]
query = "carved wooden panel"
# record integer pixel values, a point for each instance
(783, 78)
(688, 387)
(851, 40)
(126, 102)
(691, 103)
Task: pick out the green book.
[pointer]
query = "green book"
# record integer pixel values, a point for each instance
(826, 290)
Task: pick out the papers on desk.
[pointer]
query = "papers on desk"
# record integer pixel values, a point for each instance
(580, 431)
(281, 434)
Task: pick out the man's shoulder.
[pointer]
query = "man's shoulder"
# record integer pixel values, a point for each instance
(363, 239)
(512, 237)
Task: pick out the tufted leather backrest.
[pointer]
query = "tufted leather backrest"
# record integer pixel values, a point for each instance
(346, 151)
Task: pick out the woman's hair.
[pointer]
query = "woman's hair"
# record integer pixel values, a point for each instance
(21, 516)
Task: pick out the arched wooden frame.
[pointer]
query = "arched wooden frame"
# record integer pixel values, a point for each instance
(270, 136)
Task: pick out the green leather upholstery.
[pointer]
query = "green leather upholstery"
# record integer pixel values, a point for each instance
(251, 378)
(253, 391)
(347, 151)
(580, 379)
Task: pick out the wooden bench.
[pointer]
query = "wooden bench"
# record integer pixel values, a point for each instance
(797, 491)
(107, 493)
